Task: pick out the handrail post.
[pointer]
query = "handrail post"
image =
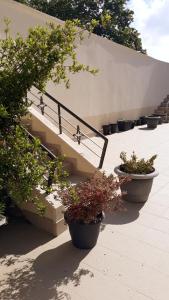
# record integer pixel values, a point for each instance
(103, 153)
(42, 105)
(60, 119)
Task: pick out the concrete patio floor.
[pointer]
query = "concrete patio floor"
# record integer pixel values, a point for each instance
(130, 260)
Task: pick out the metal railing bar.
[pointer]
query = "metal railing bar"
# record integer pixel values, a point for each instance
(70, 123)
(36, 105)
(60, 105)
(70, 131)
(56, 114)
(67, 131)
(84, 134)
(51, 155)
(57, 122)
(91, 140)
(29, 100)
(31, 136)
(52, 118)
(76, 117)
(52, 109)
(103, 154)
(90, 149)
(34, 95)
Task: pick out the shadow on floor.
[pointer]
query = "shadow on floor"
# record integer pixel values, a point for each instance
(47, 276)
(147, 128)
(19, 238)
(127, 216)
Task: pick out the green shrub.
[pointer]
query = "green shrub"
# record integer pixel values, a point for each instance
(133, 165)
(46, 53)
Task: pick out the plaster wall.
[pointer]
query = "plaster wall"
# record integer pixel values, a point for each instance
(128, 84)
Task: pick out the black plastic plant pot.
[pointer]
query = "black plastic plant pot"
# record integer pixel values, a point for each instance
(132, 124)
(143, 120)
(152, 122)
(84, 236)
(113, 127)
(106, 129)
(121, 125)
(124, 125)
(162, 118)
(138, 122)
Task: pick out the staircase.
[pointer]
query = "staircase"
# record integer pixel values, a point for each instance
(56, 142)
(163, 110)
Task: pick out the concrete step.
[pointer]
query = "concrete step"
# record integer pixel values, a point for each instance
(55, 228)
(164, 105)
(165, 116)
(162, 110)
(52, 147)
(53, 219)
(68, 163)
(166, 99)
(158, 111)
(41, 135)
(69, 167)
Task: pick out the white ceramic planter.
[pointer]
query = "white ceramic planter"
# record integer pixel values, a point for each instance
(139, 188)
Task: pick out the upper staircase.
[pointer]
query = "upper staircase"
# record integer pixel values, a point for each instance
(163, 109)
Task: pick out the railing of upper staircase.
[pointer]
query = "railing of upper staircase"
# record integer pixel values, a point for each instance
(70, 123)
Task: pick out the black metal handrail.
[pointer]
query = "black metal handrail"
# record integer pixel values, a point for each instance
(50, 154)
(32, 137)
(78, 134)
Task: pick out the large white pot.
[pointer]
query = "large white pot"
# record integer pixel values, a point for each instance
(138, 189)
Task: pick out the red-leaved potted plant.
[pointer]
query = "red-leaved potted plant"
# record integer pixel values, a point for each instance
(85, 205)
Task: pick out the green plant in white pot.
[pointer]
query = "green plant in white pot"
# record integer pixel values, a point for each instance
(141, 172)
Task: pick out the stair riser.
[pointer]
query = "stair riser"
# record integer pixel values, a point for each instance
(55, 228)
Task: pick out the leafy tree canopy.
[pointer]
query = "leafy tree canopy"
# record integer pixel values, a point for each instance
(118, 29)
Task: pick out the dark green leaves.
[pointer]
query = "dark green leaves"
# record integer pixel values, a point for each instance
(118, 29)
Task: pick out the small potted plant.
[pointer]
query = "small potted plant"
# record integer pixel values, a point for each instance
(142, 173)
(85, 205)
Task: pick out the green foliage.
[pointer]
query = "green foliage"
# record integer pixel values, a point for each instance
(42, 56)
(134, 165)
(118, 29)
(22, 165)
(47, 53)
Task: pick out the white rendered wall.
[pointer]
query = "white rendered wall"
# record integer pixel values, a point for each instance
(128, 84)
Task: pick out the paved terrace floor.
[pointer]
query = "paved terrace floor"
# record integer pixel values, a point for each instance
(131, 259)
